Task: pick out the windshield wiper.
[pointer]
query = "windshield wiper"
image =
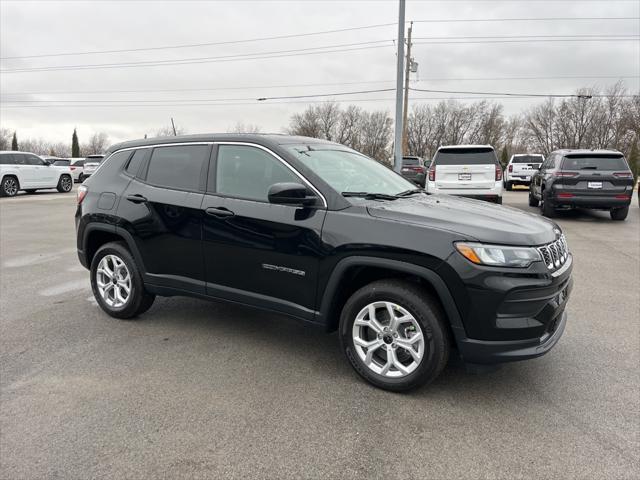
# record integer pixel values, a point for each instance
(406, 193)
(370, 196)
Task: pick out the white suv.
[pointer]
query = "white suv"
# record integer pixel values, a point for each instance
(521, 168)
(27, 171)
(466, 170)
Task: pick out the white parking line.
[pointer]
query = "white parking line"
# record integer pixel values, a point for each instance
(66, 287)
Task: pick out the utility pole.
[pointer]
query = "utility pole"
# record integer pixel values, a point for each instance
(397, 144)
(408, 62)
(174, 127)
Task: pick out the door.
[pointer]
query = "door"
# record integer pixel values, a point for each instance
(27, 168)
(257, 252)
(161, 210)
(46, 175)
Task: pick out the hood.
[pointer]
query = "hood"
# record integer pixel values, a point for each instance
(472, 219)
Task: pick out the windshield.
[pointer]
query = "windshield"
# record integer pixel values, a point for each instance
(527, 159)
(594, 162)
(465, 156)
(349, 171)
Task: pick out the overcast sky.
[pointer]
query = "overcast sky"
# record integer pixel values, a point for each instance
(52, 27)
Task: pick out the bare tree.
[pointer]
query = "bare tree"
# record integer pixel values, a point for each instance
(167, 131)
(241, 127)
(5, 138)
(98, 143)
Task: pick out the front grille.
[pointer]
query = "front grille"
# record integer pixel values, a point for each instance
(555, 254)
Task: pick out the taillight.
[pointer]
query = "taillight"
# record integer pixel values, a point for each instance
(72, 168)
(623, 174)
(432, 173)
(566, 174)
(623, 197)
(498, 173)
(565, 195)
(82, 192)
(418, 169)
(510, 168)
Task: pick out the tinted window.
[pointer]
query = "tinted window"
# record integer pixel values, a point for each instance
(78, 163)
(7, 159)
(594, 162)
(178, 167)
(527, 159)
(248, 172)
(136, 161)
(465, 156)
(33, 160)
(411, 161)
(61, 163)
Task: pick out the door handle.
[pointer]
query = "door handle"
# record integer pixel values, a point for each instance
(136, 198)
(219, 212)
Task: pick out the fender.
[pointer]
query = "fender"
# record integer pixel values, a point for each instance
(430, 276)
(119, 231)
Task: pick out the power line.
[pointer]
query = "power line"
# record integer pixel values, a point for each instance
(218, 59)
(524, 37)
(205, 44)
(296, 85)
(308, 34)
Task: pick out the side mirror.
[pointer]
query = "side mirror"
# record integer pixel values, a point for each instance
(47, 163)
(290, 194)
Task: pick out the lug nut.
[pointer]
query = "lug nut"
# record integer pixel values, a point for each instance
(395, 334)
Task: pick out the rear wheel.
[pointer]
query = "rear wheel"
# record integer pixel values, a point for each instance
(65, 184)
(117, 283)
(619, 213)
(547, 207)
(9, 187)
(394, 335)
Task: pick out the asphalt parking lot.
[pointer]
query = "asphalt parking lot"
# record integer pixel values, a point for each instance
(210, 390)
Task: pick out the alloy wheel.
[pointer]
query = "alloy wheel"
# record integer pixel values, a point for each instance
(388, 339)
(10, 186)
(114, 281)
(66, 184)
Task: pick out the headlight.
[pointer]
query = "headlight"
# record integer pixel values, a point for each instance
(498, 255)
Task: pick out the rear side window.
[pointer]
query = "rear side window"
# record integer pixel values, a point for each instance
(594, 162)
(248, 172)
(136, 160)
(61, 163)
(7, 159)
(465, 156)
(178, 167)
(78, 163)
(527, 159)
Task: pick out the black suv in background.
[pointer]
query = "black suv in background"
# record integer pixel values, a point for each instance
(314, 230)
(596, 179)
(414, 170)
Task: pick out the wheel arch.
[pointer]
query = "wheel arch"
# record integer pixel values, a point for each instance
(351, 273)
(96, 235)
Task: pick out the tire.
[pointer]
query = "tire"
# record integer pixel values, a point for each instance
(499, 200)
(547, 208)
(80, 178)
(65, 184)
(533, 201)
(9, 186)
(137, 302)
(619, 214)
(426, 317)
(508, 186)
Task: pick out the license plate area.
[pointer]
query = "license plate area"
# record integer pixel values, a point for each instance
(464, 176)
(594, 184)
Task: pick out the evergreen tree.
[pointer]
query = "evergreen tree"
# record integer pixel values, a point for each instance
(75, 146)
(504, 158)
(14, 142)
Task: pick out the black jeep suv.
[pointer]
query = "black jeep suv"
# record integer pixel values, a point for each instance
(322, 233)
(596, 179)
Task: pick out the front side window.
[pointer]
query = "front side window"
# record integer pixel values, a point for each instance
(349, 171)
(177, 167)
(248, 172)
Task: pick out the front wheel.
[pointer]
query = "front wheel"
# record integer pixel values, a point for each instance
(619, 213)
(547, 208)
(65, 184)
(394, 335)
(533, 201)
(117, 283)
